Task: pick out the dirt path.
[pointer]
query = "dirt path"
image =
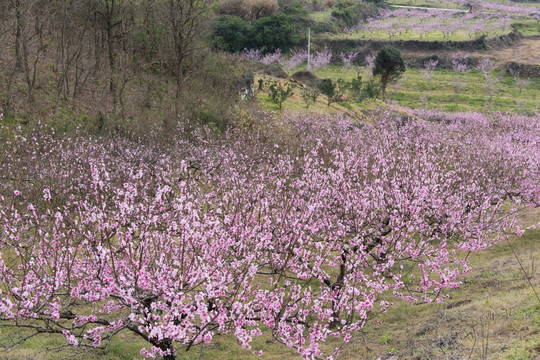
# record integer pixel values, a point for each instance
(428, 8)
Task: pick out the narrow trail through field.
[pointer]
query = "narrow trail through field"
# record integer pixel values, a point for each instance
(428, 8)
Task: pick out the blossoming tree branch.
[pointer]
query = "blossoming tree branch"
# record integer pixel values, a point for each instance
(296, 229)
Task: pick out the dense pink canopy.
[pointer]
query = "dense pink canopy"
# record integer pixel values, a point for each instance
(297, 227)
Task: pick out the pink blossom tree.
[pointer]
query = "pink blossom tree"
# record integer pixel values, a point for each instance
(487, 67)
(298, 231)
(258, 55)
(252, 54)
(348, 59)
(460, 64)
(429, 68)
(520, 82)
(295, 59)
(321, 60)
(369, 64)
(270, 58)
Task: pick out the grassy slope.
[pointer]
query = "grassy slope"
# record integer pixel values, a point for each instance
(524, 52)
(440, 4)
(494, 305)
(439, 90)
(526, 26)
(321, 16)
(473, 98)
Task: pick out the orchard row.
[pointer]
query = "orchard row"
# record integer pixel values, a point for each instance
(297, 226)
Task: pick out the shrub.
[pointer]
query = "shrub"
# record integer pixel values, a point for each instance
(356, 88)
(334, 91)
(234, 7)
(231, 33)
(371, 89)
(279, 93)
(261, 8)
(360, 90)
(295, 9)
(350, 14)
(309, 96)
(273, 32)
(376, 2)
(389, 65)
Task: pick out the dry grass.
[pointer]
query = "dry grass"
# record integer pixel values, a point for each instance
(527, 51)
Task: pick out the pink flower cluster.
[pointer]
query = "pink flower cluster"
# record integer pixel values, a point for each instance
(423, 22)
(288, 63)
(321, 60)
(297, 227)
(258, 55)
(348, 58)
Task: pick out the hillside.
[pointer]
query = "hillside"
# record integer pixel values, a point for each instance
(187, 179)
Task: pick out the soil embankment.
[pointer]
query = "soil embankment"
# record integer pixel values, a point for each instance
(507, 49)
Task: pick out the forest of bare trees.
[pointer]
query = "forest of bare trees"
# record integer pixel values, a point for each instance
(107, 61)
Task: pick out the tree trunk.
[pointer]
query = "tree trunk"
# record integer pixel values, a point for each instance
(384, 84)
(112, 63)
(18, 36)
(166, 346)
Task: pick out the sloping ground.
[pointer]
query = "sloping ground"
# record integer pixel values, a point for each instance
(295, 103)
(495, 314)
(527, 51)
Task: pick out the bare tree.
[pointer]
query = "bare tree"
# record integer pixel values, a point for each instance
(113, 18)
(23, 14)
(93, 49)
(73, 35)
(186, 19)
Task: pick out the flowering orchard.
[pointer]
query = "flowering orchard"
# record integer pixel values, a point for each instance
(320, 60)
(511, 9)
(295, 228)
(424, 22)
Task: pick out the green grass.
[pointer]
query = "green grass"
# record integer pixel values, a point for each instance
(296, 104)
(439, 92)
(323, 16)
(527, 27)
(411, 35)
(440, 4)
(443, 97)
